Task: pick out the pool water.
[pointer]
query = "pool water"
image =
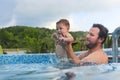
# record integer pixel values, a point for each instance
(46, 67)
(27, 72)
(50, 72)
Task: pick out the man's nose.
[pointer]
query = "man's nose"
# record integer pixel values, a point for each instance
(87, 36)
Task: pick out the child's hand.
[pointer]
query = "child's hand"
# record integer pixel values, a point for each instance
(55, 36)
(61, 39)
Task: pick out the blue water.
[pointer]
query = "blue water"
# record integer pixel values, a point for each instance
(27, 72)
(46, 67)
(49, 72)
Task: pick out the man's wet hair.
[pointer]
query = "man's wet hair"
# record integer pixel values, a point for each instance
(103, 33)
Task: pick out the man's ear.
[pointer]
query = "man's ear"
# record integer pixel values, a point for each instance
(101, 40)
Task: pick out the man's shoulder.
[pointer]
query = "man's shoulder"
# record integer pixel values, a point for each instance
(100, 53)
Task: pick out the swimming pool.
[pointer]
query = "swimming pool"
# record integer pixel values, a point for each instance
(45, 67)
(49, 72)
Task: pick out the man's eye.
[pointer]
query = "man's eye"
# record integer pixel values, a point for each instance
(91, 34)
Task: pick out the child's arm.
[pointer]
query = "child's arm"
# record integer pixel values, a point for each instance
(67, 38)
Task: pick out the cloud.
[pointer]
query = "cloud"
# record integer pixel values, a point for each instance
(47, 12)
(12, 22)
(6, 11)
(42, 11)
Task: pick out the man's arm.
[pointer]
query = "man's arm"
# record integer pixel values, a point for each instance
(71, 54)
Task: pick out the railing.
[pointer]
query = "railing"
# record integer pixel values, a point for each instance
(115, 36)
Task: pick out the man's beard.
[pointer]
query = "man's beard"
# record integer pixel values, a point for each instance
(91, 45)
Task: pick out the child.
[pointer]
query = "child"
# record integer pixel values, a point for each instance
(62, 38)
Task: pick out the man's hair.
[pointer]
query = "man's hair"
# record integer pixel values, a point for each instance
(103, 33)
(64, 22)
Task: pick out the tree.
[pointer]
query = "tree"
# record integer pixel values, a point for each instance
(34, 39)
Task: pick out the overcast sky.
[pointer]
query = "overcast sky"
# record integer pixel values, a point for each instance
(45, 13)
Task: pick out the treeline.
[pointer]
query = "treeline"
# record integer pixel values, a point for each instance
(35, 39)
(39, 40)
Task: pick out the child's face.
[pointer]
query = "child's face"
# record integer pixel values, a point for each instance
(62, 29)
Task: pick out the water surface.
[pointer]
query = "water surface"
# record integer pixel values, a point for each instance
(50, 72)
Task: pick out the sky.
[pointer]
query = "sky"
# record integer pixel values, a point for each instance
(82, 14)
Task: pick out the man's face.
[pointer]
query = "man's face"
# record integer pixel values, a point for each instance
(92, 38)
(61, 29)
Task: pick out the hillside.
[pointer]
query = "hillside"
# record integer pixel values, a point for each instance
(35, 39)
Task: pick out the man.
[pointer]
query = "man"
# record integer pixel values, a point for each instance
(94, 40)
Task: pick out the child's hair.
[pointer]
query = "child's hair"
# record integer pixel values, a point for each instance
(64, 21)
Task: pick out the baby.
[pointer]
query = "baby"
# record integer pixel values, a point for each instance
(62, 37)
